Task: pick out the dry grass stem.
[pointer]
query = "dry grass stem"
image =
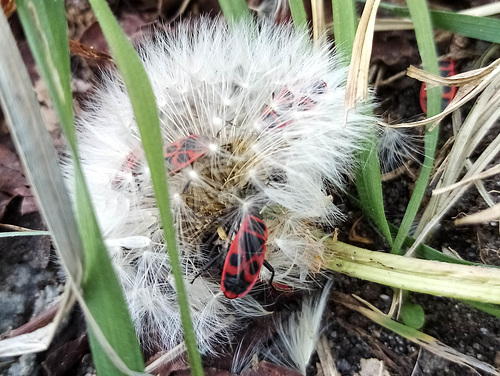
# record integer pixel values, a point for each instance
(318, 19)
(357, 79)
(39, 340)
(326, 357)
(483, 175)
(472, 85)
(429, 343)
(478, 124)
(487, 215)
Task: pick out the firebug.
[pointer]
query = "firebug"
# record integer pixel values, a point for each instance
(284, 102)
(447, 68)
(128, 166)
(184, 152)
(245, 258)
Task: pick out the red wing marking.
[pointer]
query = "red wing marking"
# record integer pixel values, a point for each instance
(447, 68)
(184, 152)
(128, 166)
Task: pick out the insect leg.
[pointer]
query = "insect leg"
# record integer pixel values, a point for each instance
(207, 266)
(271, 269)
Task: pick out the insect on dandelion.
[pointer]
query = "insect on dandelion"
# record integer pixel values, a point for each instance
(255, 147)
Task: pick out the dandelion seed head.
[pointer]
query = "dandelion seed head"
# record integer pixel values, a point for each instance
(397, 147)
(252, 123)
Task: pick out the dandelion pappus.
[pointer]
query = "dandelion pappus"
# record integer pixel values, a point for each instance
(447, 68)
(245, 258)
(285, 101)
(185, 151)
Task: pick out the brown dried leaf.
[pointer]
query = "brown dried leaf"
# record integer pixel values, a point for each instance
(13, 182)
(8, 7)
(60, 361)
(88, 52)
(268, 369)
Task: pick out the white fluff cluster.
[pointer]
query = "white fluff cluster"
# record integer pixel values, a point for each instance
(297, 336)
(266, 109)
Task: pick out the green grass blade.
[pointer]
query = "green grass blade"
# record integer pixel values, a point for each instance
(492, 309)
(45, 27)
(146, 114)
(298, 13)
(368, 176)
(483, 28)
(234, 9)
(369, 186)
(425, 40)
(344, 25)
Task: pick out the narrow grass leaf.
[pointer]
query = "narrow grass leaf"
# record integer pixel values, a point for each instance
(234, 9)
(369, 187)
(483, 28)
(146, 114)
(491, 309)
(298, 13)
(368, 176)
(425, 40)
(344, 25)
(45, 27)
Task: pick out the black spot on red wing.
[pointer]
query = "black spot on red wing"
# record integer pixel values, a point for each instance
(252, 245)
(254, 268)
(257, 226)
(236, 284)
(169, 161)
(190, 143)
(172, 149)
(235, 260)
(182, 158)
(319, 87)
(270, 116)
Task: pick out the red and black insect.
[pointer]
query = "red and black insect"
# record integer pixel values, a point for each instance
(245, 258)
(184, 152)
(447, 68)
(274, 116)
(128, 166)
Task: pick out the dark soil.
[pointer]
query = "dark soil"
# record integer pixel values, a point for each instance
(30, 279)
